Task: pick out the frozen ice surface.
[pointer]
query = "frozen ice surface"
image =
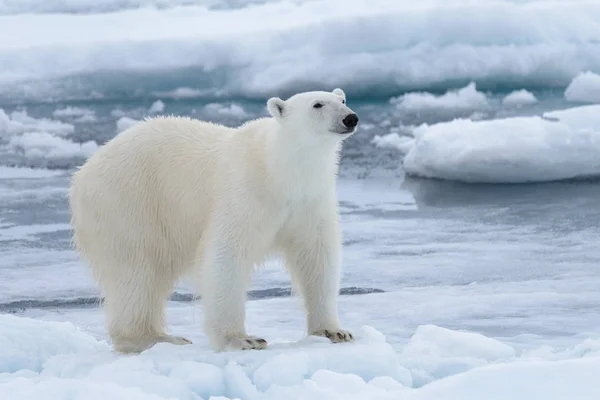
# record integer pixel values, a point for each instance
(585, 88)
(519, 98)
(273, 46)
(560, 145)
(466, 98)
(56, 361)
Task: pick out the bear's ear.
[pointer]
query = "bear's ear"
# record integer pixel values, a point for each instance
(339, 92)
(276, 107)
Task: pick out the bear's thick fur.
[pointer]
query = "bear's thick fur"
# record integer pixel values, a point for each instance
(173, 196)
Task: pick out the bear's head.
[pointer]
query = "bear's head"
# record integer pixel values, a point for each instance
(324, 114)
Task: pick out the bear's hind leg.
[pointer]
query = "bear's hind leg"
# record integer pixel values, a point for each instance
(135, 307)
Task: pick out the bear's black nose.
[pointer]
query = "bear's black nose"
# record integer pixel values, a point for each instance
(350, 121)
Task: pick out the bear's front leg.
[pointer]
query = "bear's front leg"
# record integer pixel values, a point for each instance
(225, 278)
(312, 250)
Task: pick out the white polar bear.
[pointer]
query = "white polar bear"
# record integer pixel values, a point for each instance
(173, 196)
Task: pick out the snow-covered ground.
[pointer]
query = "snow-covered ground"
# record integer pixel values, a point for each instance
(54, 360)
(478, 296)
(454, 291)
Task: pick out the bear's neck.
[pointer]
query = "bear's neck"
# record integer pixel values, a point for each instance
(308, 167)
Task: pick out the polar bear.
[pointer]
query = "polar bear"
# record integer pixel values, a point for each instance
(174, 196)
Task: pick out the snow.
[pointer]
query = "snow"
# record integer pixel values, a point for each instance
(57, 360)
(274, 46)
(585, 88)
(560, 145)
(466, 98)
(519, 98)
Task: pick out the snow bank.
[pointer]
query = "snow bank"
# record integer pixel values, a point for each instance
(56, 361)
(585, 88)
(466, 98)
(519, 98)
(560, 145)
(41, 142)
(277, 45)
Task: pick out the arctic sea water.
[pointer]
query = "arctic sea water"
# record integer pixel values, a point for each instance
(469, 196)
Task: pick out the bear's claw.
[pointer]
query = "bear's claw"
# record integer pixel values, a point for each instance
(337, 336)
(177, 340)
(247, 343)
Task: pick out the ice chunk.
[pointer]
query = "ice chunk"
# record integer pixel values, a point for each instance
(38, 147)
(519, 98)
(231, 110)
(157, 107)
(434, 352)
(572, 379)
(560, 145)
(466, 98)
(585, 88)
(28, 344)
(19, 122)
(393, 140)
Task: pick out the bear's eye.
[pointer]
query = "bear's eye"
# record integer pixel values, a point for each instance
(318, 105)
(343, 101)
